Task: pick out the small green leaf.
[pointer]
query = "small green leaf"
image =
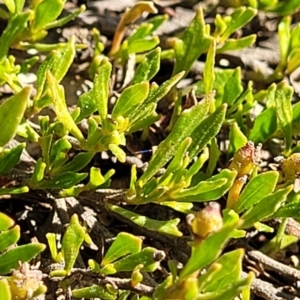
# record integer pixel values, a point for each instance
(236, 138)
(264, 127)
(148, 67)
(206, 130)
(266, 207)
(237, 44)
(157, 93)
(193, 43)
(130, 99)
(10, 157)
(184, 207)
(15, 26)
(77, 164)
(61, 110)
(59, 152)
(141, 32)
(93, 291)
(231, 291)
(9, 237)
(285, 7)
(284, 112)
(290, 210)
(45, 143)
(101, 89)
(11, 113)
(177, 162)
(293, 60)
(168, 227)
(124, 244)
(86, 104)
(10, 259)
(209, 250)
(61, 181)
(259, 186)
(5, 289)
(240, 17)
(41, 73)
(233, 87)
(209, 74)
(225, 271)
(14, 190)
(46, 12)
(191, 194)
(183, 128)
(157, 21)
(215, 194)
(63, 59)
(64, 20)
(147, 257)
(148, 118)
(5, 222)
(143, 45)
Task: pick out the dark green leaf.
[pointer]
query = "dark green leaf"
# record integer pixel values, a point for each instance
(124, 244)
(215, 194)
(62, 181)
(77, 164)
(147, 257)
(206, 130)
(10, 259)
(266, 207)
(260, 186)
(264, 127)
(290, 210)
(233, 87)
(10, 157)
(168, 227)
(9, 237)
(183, 128)
(15, 26)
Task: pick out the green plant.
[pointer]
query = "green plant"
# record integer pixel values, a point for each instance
(23, 282)
(189, 168)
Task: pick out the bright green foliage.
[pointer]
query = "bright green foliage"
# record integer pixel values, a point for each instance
(12, 257)
(72, 240)
(11, 113)
(190, 164)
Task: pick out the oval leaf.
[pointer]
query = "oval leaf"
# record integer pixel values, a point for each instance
(11, 113)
